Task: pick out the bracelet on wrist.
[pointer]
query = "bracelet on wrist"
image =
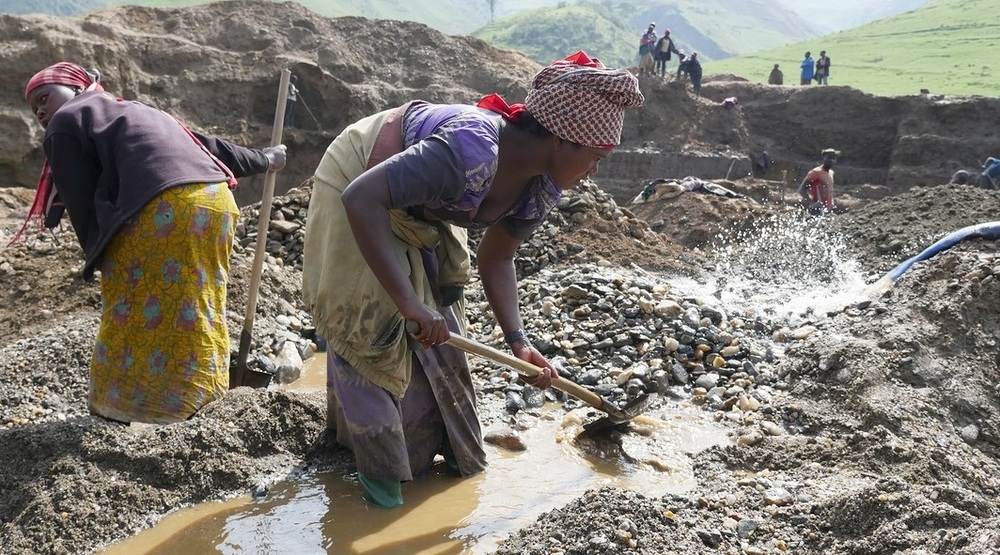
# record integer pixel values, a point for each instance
(515, 337)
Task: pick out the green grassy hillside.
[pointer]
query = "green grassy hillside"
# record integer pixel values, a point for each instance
(611, 30)
(845, 14)
(738, 26)
(716, 27)
(542, 35)
(946, 47)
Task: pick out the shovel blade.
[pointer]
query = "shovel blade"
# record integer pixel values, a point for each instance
(634, 408)
(257, 378)
(249, 377)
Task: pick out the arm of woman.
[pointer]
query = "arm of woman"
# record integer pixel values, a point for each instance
(496, 268)
(367, 203)
(74, 175)
(241, 160)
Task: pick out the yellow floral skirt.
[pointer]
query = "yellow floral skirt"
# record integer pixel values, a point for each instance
(162, 351)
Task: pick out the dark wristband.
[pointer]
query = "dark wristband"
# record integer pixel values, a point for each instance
(515, 337)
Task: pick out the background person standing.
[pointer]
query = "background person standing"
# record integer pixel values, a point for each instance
(808, 69)
(823, 68)
(776, 77)
(646, 44)
(661, 53)
(293, 99)
(693, 69)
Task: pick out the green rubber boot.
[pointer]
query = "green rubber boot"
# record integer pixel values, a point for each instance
(383, 493)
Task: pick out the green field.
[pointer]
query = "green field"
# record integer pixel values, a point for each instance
(541, 36)
(947, 47)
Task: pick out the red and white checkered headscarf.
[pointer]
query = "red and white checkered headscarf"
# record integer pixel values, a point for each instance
(578, 99)
(63, 73)
(70, 75)
(581, 100)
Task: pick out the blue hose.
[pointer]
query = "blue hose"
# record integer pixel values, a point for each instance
(989, 230)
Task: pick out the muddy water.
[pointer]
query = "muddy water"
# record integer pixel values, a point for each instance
(324, 513)
(806, 274)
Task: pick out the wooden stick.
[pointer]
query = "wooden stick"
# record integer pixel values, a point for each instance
(263, 223)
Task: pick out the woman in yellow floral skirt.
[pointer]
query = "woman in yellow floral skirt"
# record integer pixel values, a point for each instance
(151, 205)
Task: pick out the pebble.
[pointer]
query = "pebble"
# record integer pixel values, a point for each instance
(770, 428)
(778, 496)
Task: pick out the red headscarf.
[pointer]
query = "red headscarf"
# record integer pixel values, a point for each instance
(578, 99)
(63, 73)
(70, 75)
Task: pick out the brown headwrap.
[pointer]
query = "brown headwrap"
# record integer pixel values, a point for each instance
(581, 100)
(578, 99)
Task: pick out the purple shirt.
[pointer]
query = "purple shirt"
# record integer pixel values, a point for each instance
(448, 164)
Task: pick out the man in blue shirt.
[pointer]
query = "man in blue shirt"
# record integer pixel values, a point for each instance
(808, 69)
(990, 178)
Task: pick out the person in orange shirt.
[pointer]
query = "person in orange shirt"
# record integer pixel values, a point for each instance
(817, 187)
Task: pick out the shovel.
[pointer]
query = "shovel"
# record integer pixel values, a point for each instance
(241, 374)
(615, 416)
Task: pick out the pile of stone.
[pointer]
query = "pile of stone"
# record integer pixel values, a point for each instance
(621, 332)
(624, 335)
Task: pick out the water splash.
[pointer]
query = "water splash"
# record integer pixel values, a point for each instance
(789, 266)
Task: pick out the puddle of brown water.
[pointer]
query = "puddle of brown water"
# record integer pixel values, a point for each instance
(324, 513)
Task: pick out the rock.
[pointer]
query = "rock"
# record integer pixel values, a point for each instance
(778, 496)
(504, 437)
(288, 363)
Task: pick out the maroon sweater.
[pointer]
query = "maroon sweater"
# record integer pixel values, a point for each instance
(110, 157)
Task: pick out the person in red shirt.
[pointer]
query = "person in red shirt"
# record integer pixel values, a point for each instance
(817, 187)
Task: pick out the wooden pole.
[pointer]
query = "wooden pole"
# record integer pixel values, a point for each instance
(263, 222)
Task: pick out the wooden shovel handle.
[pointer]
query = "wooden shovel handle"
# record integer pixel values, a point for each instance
(263, 221)
(525, 368)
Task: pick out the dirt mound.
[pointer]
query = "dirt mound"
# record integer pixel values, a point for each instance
(898, 228)
(217, 67)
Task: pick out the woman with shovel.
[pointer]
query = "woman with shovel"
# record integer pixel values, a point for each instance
(385, 245)
(150, 203)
